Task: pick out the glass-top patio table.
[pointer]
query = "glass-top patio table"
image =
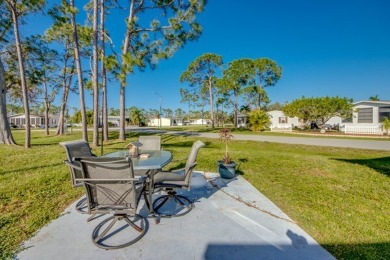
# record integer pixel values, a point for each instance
(156, 161)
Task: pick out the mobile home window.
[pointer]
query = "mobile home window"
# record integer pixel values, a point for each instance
(283, 120)
(365, 115)
(384, 112)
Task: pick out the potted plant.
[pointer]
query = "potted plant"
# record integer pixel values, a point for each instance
(226, 167)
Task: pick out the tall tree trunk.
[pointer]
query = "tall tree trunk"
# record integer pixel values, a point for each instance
(122, 105)
(66, 81)
(95, 72)
(122, 117)
(5, 130)
(47, 107)
(217, 114)
(189, 112)
(64, 101)
(211, 102)
(223, 116)
(104, 74)
(236, 111)
(79, 74)
(27, 143)
(259, 97)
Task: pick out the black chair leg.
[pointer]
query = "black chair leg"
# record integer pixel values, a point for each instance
(99, 237)
(182, 205)
(82, 206)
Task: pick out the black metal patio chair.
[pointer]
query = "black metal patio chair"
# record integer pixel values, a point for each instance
(111, 188)
(173, 204)
(74, 149)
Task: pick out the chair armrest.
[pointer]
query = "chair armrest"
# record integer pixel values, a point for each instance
(72, 165)
(93, 162)
(181, 169)
(141, 178)
(106, 180)
(177, 170)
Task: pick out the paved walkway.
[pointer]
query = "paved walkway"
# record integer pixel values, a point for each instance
(231, 220)
(317, 141)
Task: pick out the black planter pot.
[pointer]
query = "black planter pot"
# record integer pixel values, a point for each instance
(227, 171)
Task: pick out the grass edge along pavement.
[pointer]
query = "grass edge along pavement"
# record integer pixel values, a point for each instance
(338, 196)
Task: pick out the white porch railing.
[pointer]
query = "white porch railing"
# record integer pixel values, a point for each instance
(282, 127)
(376, 129)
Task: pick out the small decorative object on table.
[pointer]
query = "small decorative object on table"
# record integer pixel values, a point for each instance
(144, 156)
(133, 149)
(226, 167)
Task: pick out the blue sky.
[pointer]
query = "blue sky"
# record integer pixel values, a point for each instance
(326, 47)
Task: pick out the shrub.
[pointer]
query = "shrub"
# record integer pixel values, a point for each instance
(258, 120)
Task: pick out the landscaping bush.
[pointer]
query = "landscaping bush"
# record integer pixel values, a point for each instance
(258, 120)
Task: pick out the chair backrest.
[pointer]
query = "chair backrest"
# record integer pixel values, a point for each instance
(110, 185)
(74, 149)
(191, 161)
(150, 142)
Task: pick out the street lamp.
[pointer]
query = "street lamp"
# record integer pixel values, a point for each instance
(160, 108)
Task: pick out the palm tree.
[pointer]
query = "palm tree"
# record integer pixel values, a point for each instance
(386, 124)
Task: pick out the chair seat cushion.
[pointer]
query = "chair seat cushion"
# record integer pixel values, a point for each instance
(176, 178)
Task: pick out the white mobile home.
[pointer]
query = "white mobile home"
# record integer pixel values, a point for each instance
(166, 121)
(367, 117)
(279, 121)
(200, 121)
(370, 112)
(37, 121)
(160, 121)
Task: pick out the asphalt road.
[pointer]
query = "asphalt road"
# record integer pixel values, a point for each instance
(317, 141)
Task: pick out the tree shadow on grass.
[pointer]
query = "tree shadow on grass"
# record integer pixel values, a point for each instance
(27, 169)
(184, 144)
(381, 165)
(359, 250)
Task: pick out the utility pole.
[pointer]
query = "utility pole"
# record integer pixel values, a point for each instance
(160, 109)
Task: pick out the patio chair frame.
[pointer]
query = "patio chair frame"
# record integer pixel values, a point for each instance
(111, 188)
(170, 181)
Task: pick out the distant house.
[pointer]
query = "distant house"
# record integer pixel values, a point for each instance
(166, 121)
(370, 112)
(37, 121)
(200, 121)
(115, 120)
(242, 120)
(367, 117)
(279, 121)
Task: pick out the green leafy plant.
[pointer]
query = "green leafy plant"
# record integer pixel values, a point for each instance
(386, 124)
(225, 135)
(258, 120)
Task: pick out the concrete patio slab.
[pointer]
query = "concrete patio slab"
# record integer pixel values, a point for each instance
(231, 220)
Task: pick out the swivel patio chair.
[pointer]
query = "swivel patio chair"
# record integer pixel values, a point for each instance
(150, 143)
(111, 188)
(169, 181)
(77, 148)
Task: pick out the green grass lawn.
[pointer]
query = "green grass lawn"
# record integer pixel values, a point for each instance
(339, 196)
